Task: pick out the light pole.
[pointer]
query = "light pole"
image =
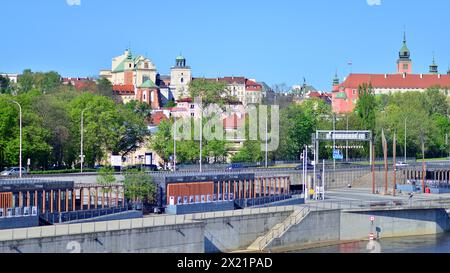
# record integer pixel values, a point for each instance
(346, 148)
(334, 140)
(266, 143)
(20, 136)
(405, 138)
(201, 137)
(175, 144)
(82, 136)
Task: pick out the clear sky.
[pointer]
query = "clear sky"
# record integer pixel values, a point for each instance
(278, 41)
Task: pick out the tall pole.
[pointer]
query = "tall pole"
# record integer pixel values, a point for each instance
(175, 145)
(306, 164)
(405, 139)
(266, 141)
(323, 180)
(346, 148)
(82, 139)
(395, 167)
(201, 137)
(20, 137)
(372, 147)
(334, 140)
(423, 164)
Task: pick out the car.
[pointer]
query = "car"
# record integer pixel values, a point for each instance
(235, 166)
(13, 171)
(300, 167)
(401, 164)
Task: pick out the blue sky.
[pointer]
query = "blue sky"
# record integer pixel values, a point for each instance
(274, 41)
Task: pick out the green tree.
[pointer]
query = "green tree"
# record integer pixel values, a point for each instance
(366, 106)
(139, 187)
(104, 88)
(106, 176)
(5, 85)
(210, 91)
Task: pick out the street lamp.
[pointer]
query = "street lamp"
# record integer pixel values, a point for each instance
(20, 141)
(405, 138)
(81, 142)
(175, 144)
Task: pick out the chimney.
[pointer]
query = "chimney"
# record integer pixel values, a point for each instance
(439, 76)
(421, 76)
(385, 76)
(404, 75)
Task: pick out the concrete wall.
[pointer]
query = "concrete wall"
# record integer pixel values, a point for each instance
(336, 225)
(393, 223)
(181, 238)
(318, 226)
(234, 233)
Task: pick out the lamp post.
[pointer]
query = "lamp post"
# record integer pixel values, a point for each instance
(20, 137)
(405, 138)
(334, 140)
(82, 138)
(266, 155)
(175, 145)
(201, 137)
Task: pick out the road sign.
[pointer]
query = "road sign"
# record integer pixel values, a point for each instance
(372, 218)
(371, 236)
(338, 155)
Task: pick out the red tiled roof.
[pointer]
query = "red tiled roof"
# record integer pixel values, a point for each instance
(314, 94)
(410, 81)
(188, 100)
(157, 117)
(231, 80)
(123, 89)
(252, 86)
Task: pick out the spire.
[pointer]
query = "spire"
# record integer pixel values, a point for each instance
(336, 79)
(434, 67)
(404, 51)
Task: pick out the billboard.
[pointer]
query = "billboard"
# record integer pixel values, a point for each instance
(116, 161)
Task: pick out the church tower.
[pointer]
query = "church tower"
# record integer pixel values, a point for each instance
(434, 67)
(404, 63)
(180, 77)
(336, 82)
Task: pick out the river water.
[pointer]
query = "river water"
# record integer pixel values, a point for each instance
(418, 244)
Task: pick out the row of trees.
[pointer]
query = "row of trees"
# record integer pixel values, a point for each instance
(424, 113)
(51, 122)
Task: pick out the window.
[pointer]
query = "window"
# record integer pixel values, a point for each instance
(192, 115)
(192, 106)
(145, 65)
(129, 65)
(405, 66)
(182, 80)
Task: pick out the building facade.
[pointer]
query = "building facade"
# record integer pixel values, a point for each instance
(345, 94)
(133, 75)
